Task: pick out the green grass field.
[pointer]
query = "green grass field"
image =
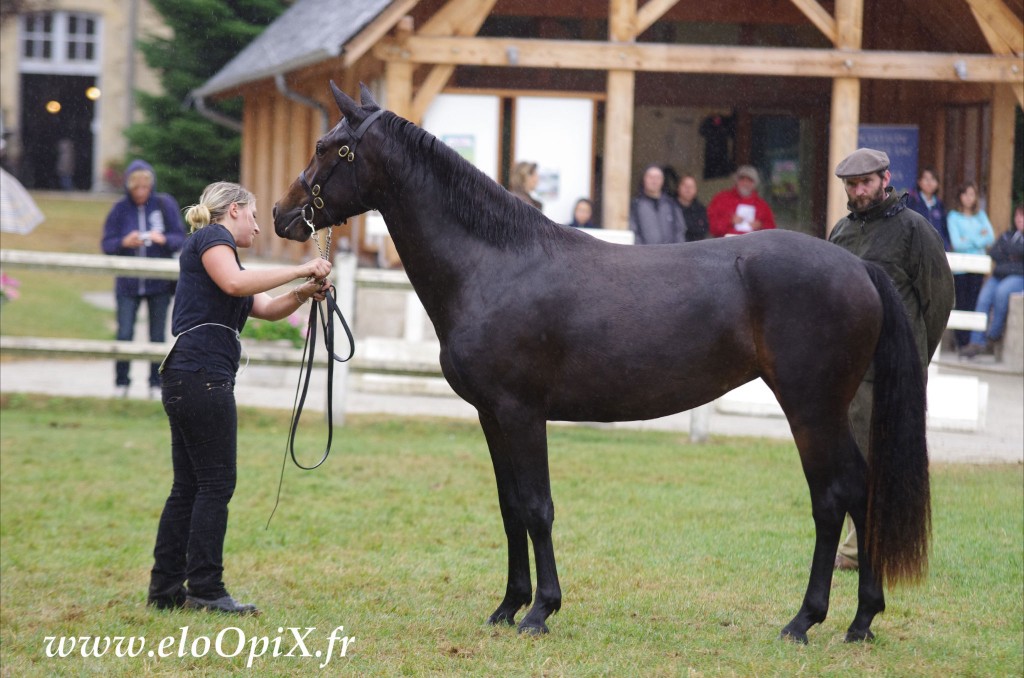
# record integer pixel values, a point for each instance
(675, 559)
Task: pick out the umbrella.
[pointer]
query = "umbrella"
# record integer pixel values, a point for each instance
(18, 212)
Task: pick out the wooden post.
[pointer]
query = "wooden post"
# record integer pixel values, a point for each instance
(618, 149)
(842, 141)
(618, 123)
(845, 115)
(398, 99)
(1000, 185)
(344, 274)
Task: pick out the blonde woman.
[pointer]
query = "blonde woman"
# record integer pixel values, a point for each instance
(215, 296)
(523, 182)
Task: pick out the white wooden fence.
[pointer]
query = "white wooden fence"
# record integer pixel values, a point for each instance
(412, 356)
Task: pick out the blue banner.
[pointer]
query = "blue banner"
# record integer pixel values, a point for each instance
(900, 142)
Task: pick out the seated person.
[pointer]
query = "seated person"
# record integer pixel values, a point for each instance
(583, 214)
(1007, 278)
(740, 209)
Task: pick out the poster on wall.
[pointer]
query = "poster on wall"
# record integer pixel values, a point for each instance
(900, 143)
(547, 185)
(469, 124)
(463, 144)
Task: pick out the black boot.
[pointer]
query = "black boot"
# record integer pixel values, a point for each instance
(225, 604)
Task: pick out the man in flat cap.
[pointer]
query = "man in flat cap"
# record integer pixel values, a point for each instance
(740, 209)
(880, 228)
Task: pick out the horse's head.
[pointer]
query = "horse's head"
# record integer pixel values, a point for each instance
(332, 187)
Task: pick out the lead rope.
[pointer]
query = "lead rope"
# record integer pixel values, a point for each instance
(306, 369)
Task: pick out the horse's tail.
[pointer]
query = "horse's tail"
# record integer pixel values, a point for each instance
(899, 501)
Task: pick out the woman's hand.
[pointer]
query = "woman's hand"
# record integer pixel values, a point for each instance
(313, 289)
(315, 268)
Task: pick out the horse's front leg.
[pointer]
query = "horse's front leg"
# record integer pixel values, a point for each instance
(519, 451)
(518, 590)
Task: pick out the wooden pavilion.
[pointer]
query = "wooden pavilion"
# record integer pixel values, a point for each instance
(810, 72)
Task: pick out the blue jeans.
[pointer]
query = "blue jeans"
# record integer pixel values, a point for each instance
(127, 310)
(994, 299)
(190, 539)
(967, 287)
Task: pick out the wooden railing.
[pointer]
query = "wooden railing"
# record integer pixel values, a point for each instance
(968, 263)
(409, 356)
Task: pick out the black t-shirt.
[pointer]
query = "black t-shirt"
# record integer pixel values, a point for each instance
(206, 319)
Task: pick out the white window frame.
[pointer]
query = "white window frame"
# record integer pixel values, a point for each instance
(60, 36)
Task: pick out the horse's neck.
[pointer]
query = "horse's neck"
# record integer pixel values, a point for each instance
(435, 251)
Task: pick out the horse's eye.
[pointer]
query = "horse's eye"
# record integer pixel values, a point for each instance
(319, 149)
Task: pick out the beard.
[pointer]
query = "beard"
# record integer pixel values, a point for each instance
(863, 202)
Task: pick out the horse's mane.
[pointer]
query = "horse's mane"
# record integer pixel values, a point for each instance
(469, 196)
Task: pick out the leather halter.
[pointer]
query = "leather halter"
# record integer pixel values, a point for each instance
(345, 152)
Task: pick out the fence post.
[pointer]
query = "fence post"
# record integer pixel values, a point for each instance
(699, 418)
(344, 272)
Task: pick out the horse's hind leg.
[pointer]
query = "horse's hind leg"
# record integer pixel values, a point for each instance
(870, 599)
(518, 590)
(834, 470)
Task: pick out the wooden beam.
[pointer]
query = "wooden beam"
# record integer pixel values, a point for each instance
(377, 29)
(1004, 33)
(1001, 143)
(849, 24)
(843, 127)
(1003, 30)
(651, 12)
(674, 58)
(618, 149)
(618, 119)
(398, 96)
(622, 20)
(458, 17)
(455, 16)
(820, 17)
(844, 120)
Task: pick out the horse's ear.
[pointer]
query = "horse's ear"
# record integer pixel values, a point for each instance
(346, 104)
(366, 97)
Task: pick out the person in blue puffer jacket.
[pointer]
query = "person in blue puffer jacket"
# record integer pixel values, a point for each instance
(142, 224)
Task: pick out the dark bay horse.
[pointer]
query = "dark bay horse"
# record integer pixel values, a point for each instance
(540, 322)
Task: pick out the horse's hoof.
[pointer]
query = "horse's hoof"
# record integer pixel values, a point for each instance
(501, 618)
(793, 636)
(859, 636)
(532, 630)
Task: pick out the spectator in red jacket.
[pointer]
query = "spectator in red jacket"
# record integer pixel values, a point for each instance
(740, 209)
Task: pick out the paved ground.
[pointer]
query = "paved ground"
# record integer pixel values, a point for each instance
(1001, 441)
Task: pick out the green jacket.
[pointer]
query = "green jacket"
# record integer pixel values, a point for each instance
(910, 250)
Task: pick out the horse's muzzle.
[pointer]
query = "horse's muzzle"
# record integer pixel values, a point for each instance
(289, 224)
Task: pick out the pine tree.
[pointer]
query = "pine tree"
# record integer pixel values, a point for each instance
(188, 151)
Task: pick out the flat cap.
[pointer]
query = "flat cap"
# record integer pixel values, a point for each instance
(862, 161)
(750, 172)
